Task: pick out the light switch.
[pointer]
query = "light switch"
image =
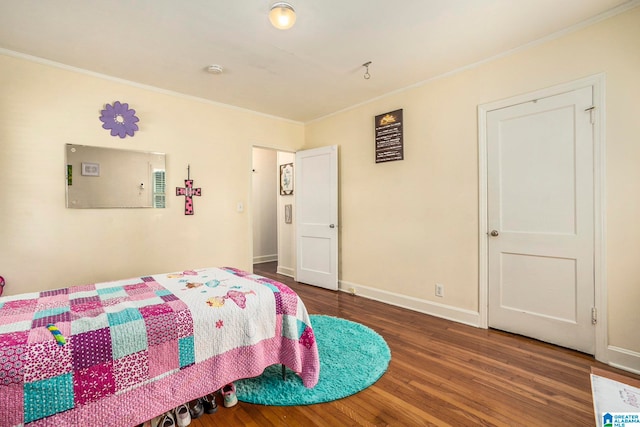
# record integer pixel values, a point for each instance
(240, 207)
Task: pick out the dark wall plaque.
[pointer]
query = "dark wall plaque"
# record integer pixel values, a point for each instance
(389, 143)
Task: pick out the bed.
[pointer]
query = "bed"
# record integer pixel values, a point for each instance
(119, 353)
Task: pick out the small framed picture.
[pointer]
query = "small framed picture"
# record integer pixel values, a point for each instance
(90, 169)
(286, 179)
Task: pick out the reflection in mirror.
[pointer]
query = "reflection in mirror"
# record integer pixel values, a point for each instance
(99, 177)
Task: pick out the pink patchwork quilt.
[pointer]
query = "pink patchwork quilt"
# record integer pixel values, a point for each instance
(122, 352)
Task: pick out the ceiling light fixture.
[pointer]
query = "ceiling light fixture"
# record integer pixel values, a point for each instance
(282, 15)
(214, 69)
(367, 76)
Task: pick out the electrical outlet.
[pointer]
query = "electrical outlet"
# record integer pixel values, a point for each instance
(439, 290)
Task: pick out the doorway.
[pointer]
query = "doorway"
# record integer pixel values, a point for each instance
(273, 234)
(541, 213)
(306, 225)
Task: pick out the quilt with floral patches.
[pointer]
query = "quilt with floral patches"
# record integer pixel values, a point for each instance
(122, 352)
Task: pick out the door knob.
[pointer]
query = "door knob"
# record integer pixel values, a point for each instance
(332, 226)
(494, 233)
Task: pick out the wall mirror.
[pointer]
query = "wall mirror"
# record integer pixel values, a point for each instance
(98, 177)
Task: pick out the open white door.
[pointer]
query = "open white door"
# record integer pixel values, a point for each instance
(316, 193)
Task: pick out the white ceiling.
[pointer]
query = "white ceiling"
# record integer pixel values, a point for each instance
(309, 71)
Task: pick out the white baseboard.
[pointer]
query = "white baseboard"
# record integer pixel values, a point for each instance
(265, 258)
(617, 357)
(468, 317)
(286, 271)
(624, 359)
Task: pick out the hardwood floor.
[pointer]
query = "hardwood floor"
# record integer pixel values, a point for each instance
(441, 373)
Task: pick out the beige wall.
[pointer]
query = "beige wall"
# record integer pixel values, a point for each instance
(44, 245)
(404, 225)
(409, 224)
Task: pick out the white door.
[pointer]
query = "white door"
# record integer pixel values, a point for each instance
(316, 193)
(540, 216)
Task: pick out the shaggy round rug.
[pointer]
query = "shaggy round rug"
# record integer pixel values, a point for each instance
(352, 357)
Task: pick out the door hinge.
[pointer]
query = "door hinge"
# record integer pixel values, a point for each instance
(592, 115)
(594, 315)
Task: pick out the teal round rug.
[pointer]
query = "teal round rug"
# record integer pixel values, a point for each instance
(352, 357)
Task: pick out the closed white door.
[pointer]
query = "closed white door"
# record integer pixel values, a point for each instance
(316, 193)
(540, 216)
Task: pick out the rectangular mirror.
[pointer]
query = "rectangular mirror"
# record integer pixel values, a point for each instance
(99, 177)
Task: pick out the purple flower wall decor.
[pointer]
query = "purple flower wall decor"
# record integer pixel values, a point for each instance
(120, 119)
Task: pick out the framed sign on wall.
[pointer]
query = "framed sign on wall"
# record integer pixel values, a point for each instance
(389, 140)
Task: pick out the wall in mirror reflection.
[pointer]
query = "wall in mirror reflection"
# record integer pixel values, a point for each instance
(99, 177)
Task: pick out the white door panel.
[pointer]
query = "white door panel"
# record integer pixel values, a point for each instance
(541, 207)
(541, 199)
(520, 292)
(316, 192)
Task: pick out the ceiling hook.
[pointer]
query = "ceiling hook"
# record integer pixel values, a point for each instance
(367, 76)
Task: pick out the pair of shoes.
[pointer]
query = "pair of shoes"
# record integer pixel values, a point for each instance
(167, 420)
(209, 402)
(229, 395)
(164, 420)
(196, 409)
(183, 418)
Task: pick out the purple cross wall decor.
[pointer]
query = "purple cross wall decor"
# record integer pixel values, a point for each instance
(188, 191)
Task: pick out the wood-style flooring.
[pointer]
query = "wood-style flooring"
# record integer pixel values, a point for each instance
(442, 373)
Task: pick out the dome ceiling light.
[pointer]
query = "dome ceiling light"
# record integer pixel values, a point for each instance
(282, 15)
